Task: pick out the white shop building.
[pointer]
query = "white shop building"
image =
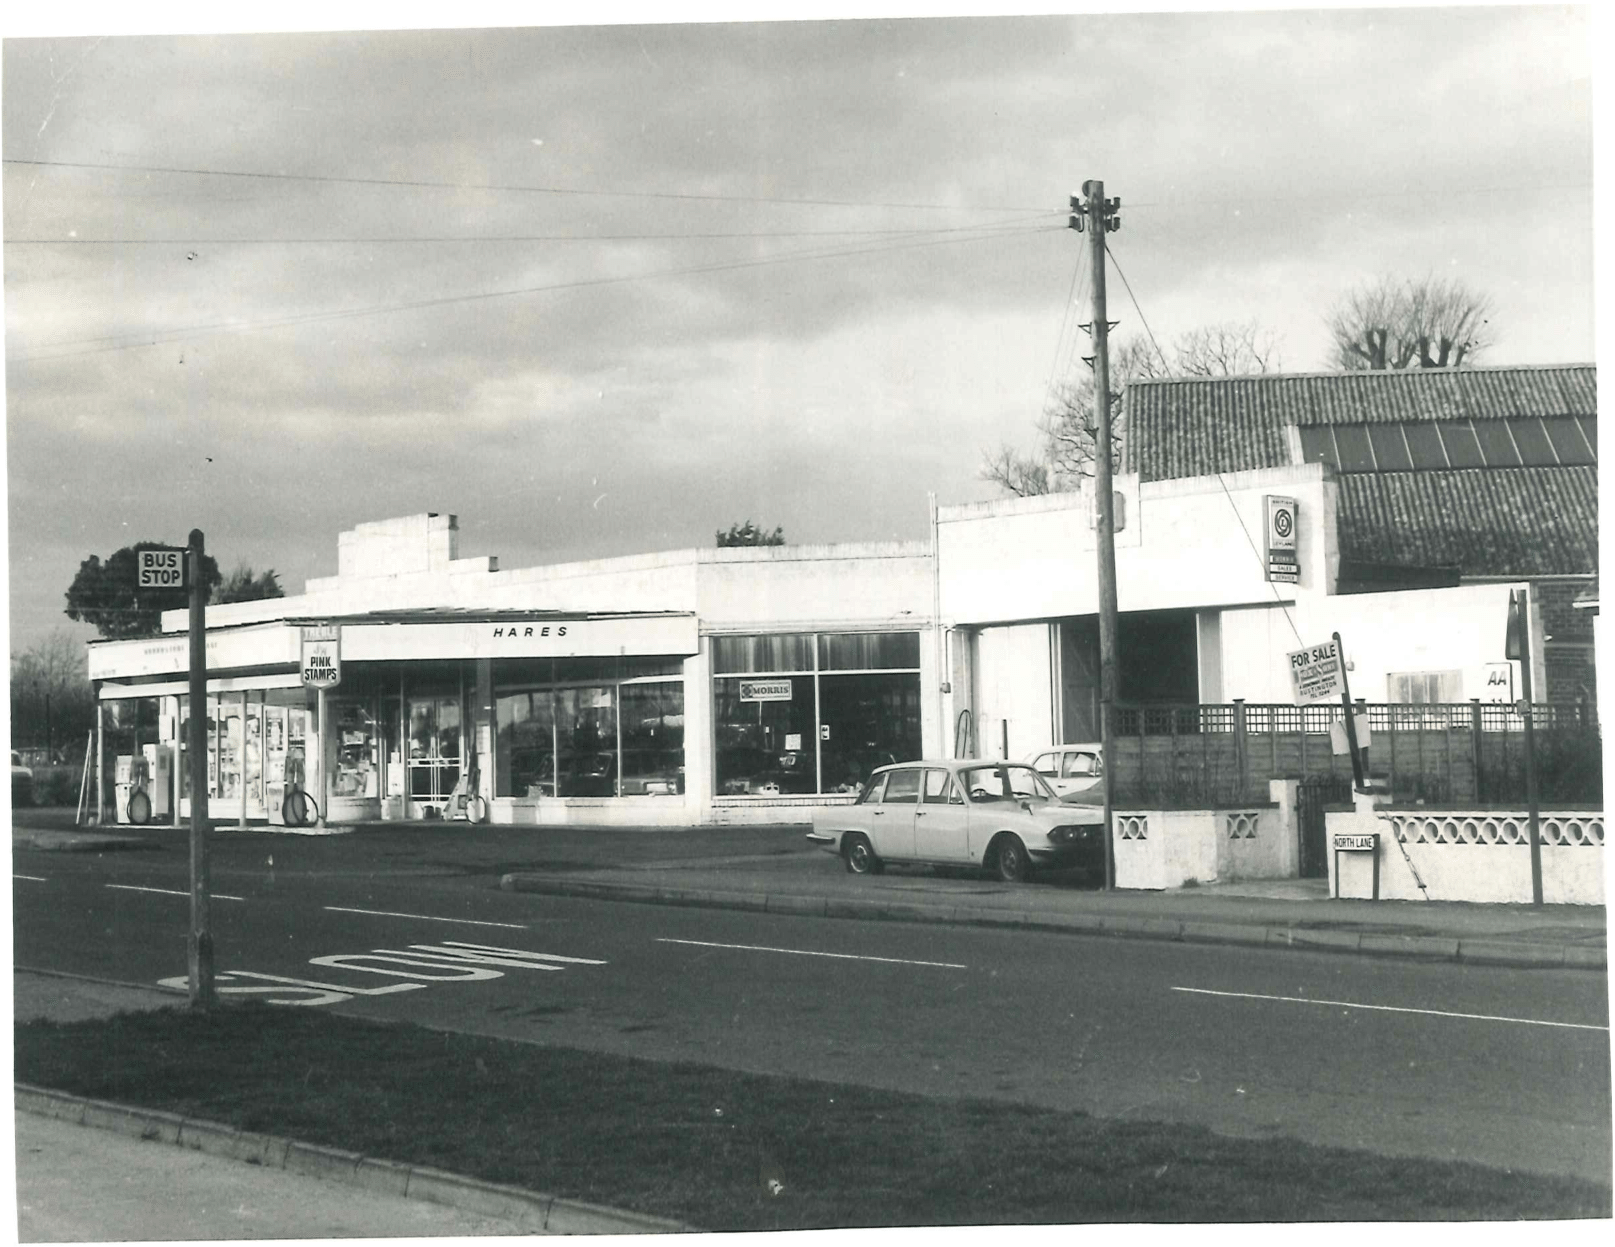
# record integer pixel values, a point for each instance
(727, 685)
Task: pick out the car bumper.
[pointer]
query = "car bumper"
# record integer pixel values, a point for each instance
(1085, 853)
(825, 840)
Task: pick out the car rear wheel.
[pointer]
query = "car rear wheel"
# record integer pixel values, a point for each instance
(1010, 861)
(860, 857)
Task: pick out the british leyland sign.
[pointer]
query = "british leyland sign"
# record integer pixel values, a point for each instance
(321, 664)
(1283, 565)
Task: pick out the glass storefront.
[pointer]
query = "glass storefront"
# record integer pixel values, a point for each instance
(589, 727)
(813, 712)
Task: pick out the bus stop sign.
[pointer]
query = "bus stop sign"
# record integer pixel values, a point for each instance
(160, 568)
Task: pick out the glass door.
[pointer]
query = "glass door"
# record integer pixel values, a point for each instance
(434, 753)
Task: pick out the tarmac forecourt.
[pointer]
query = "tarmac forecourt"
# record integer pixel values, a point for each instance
(628, 1145)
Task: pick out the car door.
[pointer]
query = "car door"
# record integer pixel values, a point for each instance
(891, 822)
(1052, 766)
(1080, 770)
(941, 821)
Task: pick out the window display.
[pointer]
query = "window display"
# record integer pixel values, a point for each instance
(813, 713)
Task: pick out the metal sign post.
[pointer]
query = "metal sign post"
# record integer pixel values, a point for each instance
(199, 947)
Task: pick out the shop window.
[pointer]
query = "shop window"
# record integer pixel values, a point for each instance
(526, 744)
(763, 735)
(652, 721)
(866, 721)
(355, 768)
(869, 651)
(1589, 429)
(802, 730)
(739, 655)
(586, 741)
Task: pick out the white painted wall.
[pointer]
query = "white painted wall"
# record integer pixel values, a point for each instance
(1186, 544)
(1014, 682)
(1492, 873)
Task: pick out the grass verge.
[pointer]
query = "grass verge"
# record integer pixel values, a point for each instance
(727, 1151)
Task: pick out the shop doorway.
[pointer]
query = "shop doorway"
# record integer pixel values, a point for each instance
(435, 743)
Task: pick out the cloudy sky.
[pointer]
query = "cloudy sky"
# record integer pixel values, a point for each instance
(602, 290)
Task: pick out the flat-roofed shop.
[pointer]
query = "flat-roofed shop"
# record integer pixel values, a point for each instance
(715, 685)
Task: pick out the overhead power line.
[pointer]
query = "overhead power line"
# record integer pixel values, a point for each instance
(122, 342)
(514, 188)
(677, 236)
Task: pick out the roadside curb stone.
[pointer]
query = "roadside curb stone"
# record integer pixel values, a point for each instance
(530, 1210)
(1496, 953)
(1523, 954)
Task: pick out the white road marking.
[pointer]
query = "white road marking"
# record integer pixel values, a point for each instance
(31, 878)
(1438, 1013)
(130, 887)
(387, 913)
(804, 952)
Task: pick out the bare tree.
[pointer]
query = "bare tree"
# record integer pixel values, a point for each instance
(1067, 429)
(1392, 323)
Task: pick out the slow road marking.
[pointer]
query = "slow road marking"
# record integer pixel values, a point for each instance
(387, 913)
(805, 952)
(1351, 1004)
(130, 887)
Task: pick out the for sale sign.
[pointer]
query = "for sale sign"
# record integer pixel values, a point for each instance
(1317, 673)
(162, 568)
(322, 656)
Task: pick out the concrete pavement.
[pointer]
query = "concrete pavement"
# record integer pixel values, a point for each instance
(88, 1170)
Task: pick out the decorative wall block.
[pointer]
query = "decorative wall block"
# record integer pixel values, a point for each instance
(1583, 830)
(1242, 824)
(1132, 826)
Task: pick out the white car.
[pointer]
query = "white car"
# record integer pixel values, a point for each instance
(998, 815)
(1071, 769)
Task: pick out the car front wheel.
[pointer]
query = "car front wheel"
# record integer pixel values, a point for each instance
(1010, 860)
(860, 857)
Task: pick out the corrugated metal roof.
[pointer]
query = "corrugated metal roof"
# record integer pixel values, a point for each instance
(1193, 426)
(1484, 521)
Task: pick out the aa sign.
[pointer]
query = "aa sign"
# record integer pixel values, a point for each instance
(322, 656)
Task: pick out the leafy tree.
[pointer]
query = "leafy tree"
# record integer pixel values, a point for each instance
(1391, 323)
(104, 594)
(1067, 430)
(748, 534)
(242, 586)
(52, 702)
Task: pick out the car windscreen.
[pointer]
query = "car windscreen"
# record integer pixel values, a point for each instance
(1005, 783)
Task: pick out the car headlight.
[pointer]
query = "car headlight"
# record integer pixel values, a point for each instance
(1066, 834)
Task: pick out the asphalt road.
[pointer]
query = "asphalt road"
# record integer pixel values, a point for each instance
(1506, 1067)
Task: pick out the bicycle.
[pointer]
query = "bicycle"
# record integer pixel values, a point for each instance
(299, 809)
(465, 802)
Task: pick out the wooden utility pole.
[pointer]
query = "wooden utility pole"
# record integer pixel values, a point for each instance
(1098, 216)
(199, 947)
(1518, 645)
